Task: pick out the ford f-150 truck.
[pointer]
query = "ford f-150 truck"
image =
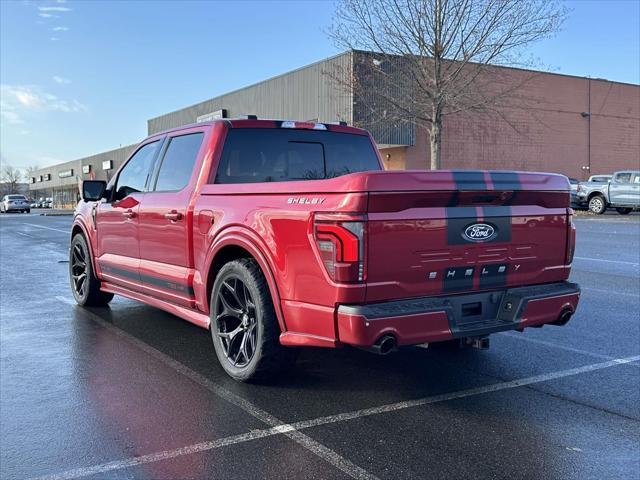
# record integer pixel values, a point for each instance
(621, 192)
(282, 234)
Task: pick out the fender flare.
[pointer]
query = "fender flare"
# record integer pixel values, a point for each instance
(249, 241)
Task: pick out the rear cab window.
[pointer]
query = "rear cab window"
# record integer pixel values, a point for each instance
(623, 177)
(254, 155)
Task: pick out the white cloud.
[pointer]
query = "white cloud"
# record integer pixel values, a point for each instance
(60, 29)
(47, 15)
(54, 9)
(8, 116)
(20, 100)
(60, 80)
(54, 39)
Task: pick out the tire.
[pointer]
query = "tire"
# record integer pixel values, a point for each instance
(624, 210)
(84, 284)
(28, 210)
(244, 327)
(597, 204)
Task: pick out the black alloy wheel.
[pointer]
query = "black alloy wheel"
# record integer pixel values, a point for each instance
(236, 323)
(84, 284)
(244, 325)
(79, 270)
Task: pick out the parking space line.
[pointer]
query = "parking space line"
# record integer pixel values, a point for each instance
(287, 429)
(607, 261)
(160, 456)
(68, 232)
(300, 438)
(464, 393)
(520, 336)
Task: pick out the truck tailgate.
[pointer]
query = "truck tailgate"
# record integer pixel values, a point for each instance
(443, 232)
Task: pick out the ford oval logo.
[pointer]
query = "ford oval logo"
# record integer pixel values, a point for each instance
(479, 232)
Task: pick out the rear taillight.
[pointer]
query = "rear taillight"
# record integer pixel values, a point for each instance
(571, 237)
(341, 245)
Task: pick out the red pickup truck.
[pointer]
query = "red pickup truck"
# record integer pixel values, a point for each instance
(281, 234)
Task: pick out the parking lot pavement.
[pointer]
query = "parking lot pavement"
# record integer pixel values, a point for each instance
(133, 392)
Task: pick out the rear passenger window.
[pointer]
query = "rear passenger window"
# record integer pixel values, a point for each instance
(277, 155)
(178, 161)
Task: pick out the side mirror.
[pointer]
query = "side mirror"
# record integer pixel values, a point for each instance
(93, 190)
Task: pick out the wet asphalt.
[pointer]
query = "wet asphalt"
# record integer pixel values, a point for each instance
(132, 392)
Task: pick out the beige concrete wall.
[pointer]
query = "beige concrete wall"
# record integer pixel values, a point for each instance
(394, 158)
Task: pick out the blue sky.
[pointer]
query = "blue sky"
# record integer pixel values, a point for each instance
(81, 77)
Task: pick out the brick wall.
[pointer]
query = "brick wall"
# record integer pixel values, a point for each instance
(544, 130)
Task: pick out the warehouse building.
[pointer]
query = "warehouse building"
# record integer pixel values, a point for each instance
(571, 125)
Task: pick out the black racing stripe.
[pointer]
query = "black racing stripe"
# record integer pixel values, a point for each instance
(122, 272)
(506, 181)
(469, 179)
(146, 278)
(453, 201)
(458, 218)
(159, 282)
(456, 279)
(500, 219)
(494, 275)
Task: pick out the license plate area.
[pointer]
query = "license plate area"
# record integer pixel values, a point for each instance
(469, 309)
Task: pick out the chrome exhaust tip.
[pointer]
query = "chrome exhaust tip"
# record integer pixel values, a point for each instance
(386, 344)
(564, 317)
(383, 346)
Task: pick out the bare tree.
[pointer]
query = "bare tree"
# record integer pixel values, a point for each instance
(30, 169)
(426, 59)
(10, 178)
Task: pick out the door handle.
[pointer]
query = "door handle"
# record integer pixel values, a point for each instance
(129, 213)
(173, 215)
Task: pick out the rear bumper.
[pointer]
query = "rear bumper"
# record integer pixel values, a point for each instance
(11, 208)
(434, 319)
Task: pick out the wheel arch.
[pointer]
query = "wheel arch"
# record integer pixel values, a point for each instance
(596, 194)
(241, 244)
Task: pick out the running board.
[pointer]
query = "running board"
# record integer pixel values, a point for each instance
(197, 318)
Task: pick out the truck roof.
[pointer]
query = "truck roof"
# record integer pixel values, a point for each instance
(269, 123)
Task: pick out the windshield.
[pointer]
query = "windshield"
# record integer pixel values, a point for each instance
(16, 197)
(275, 155)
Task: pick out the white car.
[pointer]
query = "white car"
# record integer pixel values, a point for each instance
(14, 203)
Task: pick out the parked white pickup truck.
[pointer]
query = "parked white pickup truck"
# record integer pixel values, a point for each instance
(622, 192)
